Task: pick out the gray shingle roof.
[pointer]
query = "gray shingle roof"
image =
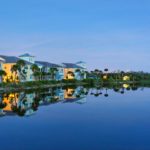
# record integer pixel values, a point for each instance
(47, 64)
(12, 59)
(2, 60)
(71, 65)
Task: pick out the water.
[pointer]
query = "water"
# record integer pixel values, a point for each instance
(76, 119)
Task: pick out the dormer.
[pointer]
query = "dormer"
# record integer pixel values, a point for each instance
(82, 64)
(27, 57)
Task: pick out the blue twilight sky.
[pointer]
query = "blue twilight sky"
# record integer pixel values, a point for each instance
(103, 33)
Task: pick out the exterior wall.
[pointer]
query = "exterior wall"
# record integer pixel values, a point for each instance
(29, 59)
(77, 75)
(68, 76)
(1, 68)
(29, 75)
(1, 65)
(82, 64)
(60, 74)
(81, 76)
(11, 77)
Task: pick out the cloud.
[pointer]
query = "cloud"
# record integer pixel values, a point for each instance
(115, 50)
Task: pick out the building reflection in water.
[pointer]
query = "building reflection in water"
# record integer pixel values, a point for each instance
(27, 103)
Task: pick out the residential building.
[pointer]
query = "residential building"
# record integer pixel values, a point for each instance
(1, 63)
(29, 60)
(7, 66)
(27, 57)
(25, 74)
(73, 71)
(1, 66)
(51, 71)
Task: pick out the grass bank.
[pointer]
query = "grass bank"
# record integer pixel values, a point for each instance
(33, 85)
(8, 87)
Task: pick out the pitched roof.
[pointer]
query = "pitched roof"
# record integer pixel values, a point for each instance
(12, 59)
(47, 64)
(26, 55)
(71, 65)
(80, 62)
(2, 60)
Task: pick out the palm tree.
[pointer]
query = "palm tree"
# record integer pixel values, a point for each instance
(53, 72)
(14, 69)
(96, 73)
(21, 64)
(100, 73)
(81, 73)
(106, 71)
(70, 73)
(122, 74)
(77, 70)
(18, 68)
(2, 73)
(36, 70)
(87, 74)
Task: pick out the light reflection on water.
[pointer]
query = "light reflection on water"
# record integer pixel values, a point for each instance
(27, 103)
(76, 119)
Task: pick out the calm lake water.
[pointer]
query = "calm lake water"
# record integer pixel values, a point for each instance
(76, 119)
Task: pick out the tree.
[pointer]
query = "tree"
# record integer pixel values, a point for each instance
(53, 72)
(36, 71)
(14, 69)
(106, 70)
(80, 73)
(21, 64)
(105, 76)
(19, 68)
(35, 68)
(2, 73)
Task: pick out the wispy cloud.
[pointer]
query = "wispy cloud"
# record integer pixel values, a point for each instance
(115, 50)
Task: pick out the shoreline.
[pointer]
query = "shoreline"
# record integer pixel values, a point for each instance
(18, 87)
(36, 87)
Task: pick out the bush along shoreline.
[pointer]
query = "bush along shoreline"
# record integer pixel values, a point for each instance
(8, 87)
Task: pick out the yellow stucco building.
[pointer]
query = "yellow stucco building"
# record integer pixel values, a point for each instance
(73, 71)
(10, 76)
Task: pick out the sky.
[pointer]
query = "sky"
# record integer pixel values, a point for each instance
(110, 34)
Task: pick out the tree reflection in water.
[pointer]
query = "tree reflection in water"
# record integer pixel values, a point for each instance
(27, 103)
